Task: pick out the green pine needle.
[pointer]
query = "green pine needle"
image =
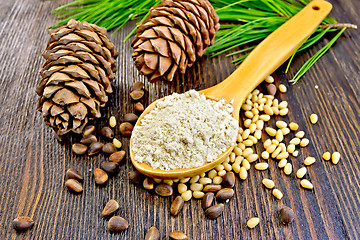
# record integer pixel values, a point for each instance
(315, 57)
(247, 22)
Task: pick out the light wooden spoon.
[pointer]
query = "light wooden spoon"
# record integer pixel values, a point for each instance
(261, 62)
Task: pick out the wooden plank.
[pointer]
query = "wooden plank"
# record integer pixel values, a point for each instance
(33, 163)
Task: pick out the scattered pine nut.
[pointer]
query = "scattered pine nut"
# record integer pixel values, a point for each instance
(112, 121)
(309, 160)
(301, 172)
(265, 155)
(296, 153)
(291, 148)
(277, 193)
(284, 112)
(304, 142)
(282, 155)
(282, 88)
(268, 183)
(335, 157)
(279, 135)
(186, 195)
(295, 141)
(281, 124)
(261, 166)
(272, 132)
(282, 163)
(288, 169)
(285, 131)
(276, 152)
(253, 222)
(326, 156)
(243, 173)
(246, 164)
(293, 126)
(252, 157)
(300, 134)
(117, 143)
(306, 184)
(283, 105)
(269, 79)
(313, 118)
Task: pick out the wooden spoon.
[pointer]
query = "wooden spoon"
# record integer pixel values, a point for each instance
(261, 62)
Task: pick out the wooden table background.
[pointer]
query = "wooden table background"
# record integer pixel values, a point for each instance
(33, 163)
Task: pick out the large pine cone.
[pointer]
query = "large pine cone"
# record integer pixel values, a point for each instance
(176, 33)
(80, 64)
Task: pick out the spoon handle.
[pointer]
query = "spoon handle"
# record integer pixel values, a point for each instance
(270, 54)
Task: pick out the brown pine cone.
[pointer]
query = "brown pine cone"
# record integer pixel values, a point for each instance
(173, 37)
(76, 77)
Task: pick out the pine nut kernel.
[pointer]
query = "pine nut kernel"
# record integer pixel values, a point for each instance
(314, 118)
(306, 184)
(277, 193)
(282, 88)
(326, 156)
(301, 172)
(293, 126)
(309, 160)
(335, 157)
(253, 222)
(268, 183)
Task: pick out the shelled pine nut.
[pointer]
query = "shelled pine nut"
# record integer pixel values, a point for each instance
(293, 126)
(300, 134)
(326, 156)
(277, 193)
(309, 160)
(335, 157)
(288, 169)
(261, 166)
(282, 163)
(306, 184)
(268, 183)
(301, 172)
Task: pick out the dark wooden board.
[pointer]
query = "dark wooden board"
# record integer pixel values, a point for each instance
(33, 163)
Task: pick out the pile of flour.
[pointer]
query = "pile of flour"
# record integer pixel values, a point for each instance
(184, 131)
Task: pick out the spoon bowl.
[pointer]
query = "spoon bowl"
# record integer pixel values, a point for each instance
(270, 54)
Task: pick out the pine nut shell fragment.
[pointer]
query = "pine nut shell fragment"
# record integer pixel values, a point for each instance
(253, 222)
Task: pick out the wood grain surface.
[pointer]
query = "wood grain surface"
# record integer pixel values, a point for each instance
(33, 163)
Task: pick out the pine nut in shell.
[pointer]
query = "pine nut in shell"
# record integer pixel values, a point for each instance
(335, 157)
(110, 207)
(152, 234)
(214, 211)
(301, 172)
(277, 193)
(253, 222)
(268, 183)
(261, 166)
(176, 205)
(211, 188)
(229, 180)
(207, 200)
(306, 184)
(74, 185)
